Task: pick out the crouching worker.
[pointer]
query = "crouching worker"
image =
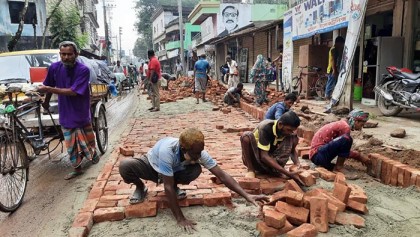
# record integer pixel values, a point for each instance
(174, 161)
(267, 149)
(233, 95)
(334, 140)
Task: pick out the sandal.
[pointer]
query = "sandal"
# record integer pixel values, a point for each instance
(73, 174)
(138, 196)
(95, 158)
(181, 194)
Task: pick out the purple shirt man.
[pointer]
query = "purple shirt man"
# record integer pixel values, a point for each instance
(74, 111)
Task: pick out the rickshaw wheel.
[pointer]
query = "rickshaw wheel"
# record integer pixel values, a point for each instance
(101, 131)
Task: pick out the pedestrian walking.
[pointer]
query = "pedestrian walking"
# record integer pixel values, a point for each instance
(257, 75)
(233, 72)
(154, 75)
(178, 69)
(201, 69)
(118, 68)
(174, 161)
(69, 79)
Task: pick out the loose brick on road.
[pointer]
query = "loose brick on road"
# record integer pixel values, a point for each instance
(350, 219)
(319, 213)
(295, 215)
(274, 218)
(304, 230)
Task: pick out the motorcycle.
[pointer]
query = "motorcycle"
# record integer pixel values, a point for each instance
(398, 90)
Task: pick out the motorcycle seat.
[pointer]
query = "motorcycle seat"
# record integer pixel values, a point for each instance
(411, 76)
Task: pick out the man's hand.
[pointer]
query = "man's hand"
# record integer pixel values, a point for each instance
(254, 198)
(187, 225)
(43, 89)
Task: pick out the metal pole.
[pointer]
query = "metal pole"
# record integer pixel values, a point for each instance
(181, 36)
(106, 34)
(276, 43)
(120, 52)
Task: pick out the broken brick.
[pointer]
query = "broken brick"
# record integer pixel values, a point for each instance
(357, 194)
(340, 178)
(357, 207)
(108, 214)
(325, 174)
(295, 215)
(341, 192)
(350, 219)
(144, 209)
(274, 219)
(126, 151)
(267, 231)
(292, 185)
(307, 178)
(84, 219)
(319, 213)
(304, 230)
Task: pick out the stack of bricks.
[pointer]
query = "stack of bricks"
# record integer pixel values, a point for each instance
(297, 213)
(392, 172)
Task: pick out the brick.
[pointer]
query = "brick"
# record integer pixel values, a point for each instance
(313, 173)
(194, 200)
(304, 230)
(279, 196)
(99, 184)
(357, 206)
(108, 214)
(215, 199)
(414, 175)
(334, 201)
(340, 178)
(394, 173)
(325, 174)
(295, 215)
(400, 177)
(308, 135)
(126, 151)
(294, 198)
(357, 194)
(341, 192)
(377, 161)
(113, 197)
(95, 193)
(249, 183)
(102, 204)
(274, 219)
(144, 209)
(407, 176)
(292, 185)
(319, 213)
(84, 219)
(332, 213)
(286, 228)
(220, 127)
(89, 205)
(386, 170)
(301, 150)
(78, 232)
(267, 231)
(350, 219)
(307, 178)
(309, 194)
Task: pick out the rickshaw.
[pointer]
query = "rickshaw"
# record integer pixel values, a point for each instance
(26, 131)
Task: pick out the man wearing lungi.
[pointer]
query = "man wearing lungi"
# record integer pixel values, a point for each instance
(174, 161)
(267, 149)
(69, 79)
(201, 69)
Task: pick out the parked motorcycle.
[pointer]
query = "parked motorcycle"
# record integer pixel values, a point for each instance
(398, 90)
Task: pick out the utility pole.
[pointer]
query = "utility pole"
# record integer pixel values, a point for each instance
(120, 33)
(106, 34)
(181, 36)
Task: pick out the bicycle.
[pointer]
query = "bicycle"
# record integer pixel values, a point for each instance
(14, 162)
(317, 87)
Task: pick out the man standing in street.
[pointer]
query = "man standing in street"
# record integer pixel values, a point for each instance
(118, 68)
(268, 148)
(174, 161)
(201, 69)
(69, 79)
(178, 69)
(233, 72)
(153, 77)
(334, 61)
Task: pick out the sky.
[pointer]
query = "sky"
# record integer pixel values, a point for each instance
(123, 15)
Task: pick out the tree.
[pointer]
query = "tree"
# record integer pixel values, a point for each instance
(65, 26)
(13, 42)
(47, 21)
(140, 48)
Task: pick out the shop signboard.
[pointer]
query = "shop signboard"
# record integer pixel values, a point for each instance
(287, 60)
(319, 16)
(232, 17)
(356, 16)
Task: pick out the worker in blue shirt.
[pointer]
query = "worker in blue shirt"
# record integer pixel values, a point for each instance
(279, 108)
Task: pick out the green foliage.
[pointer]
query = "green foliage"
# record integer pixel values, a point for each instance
(65, 26)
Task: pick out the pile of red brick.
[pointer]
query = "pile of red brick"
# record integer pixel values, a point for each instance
(314, 210)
